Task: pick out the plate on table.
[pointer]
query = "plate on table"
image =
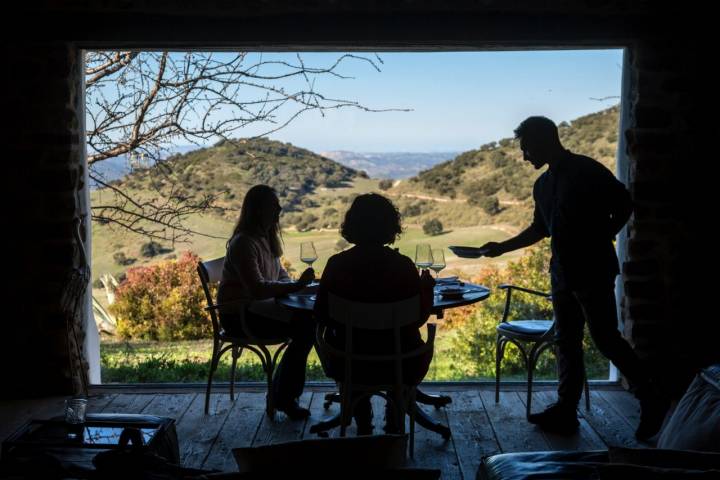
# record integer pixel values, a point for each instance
(447, 281)
(309, 289)
(452, 292)
(468, 252)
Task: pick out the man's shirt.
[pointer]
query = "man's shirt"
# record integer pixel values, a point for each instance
(581, 205)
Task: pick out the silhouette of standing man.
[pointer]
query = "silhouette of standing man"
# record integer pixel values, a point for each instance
(581, 206)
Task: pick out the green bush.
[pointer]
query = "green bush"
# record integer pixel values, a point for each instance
(433, 227)
(151, 249)
(412, 210)
(490, 205)
(164, 301)
(385, 184)
(121, 259)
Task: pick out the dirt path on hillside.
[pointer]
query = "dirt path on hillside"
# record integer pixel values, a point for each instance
(428, 197)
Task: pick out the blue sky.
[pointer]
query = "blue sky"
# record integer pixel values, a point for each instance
(459, 100)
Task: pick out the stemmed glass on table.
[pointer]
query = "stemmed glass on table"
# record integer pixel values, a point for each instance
(308, 254)
(438, 263)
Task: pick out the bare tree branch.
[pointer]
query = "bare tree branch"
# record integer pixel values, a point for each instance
(147, 101)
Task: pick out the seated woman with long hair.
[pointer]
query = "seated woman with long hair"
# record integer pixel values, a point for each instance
(372, 272)
(252, 271)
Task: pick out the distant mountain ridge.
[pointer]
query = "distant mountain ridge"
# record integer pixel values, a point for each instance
(395, 165)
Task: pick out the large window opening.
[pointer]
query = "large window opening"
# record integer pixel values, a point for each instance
(175, 141)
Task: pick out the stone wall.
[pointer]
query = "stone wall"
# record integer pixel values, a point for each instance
(664, 310)
(44, 105)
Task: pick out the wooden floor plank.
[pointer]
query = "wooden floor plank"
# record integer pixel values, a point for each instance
(318, 413)
(480, 427)
(432, 451)
(614, 430)
(170, 405)
(281, 428)
(512, 430)
(129, 403)
(472, 435)
(625, 404)
(584, 439)
(238, 430)
(197, 431)
(98, 402)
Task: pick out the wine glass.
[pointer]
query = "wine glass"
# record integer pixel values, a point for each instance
(307, 253)
(423, 256)
(438, 264)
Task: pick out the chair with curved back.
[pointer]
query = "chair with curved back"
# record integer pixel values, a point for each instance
(210, 273)
(390, 317)
(539, 335)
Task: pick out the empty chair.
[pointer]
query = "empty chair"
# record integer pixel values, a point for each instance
(531, 336)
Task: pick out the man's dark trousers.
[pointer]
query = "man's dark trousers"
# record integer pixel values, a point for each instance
(595, 305)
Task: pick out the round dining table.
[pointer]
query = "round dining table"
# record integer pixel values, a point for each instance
(471, 294)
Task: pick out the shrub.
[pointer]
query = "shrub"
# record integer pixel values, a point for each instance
(498, 159)
(433, 227)
(164, 301)
(412, 210)
(490, 205)
(150, 249)
(385, 184)
(121, 259)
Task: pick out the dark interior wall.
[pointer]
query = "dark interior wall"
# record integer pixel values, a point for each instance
(43, 101)
(42, 97)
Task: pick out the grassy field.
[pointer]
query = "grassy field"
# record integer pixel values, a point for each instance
(188, 361)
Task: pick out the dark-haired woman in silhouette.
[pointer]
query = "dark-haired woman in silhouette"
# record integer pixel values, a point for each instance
(372, 272)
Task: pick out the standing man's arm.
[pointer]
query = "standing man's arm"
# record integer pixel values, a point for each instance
(531, 235)
(527, 237)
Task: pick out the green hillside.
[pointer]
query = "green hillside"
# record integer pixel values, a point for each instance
(494, 180)
(480, 194)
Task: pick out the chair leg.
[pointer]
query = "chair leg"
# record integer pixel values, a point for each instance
(411, 411)
(499, 352)
(270, 398)
(531, 367)
(213, 367)
(587, 395)
(235, 355)
(345, 411)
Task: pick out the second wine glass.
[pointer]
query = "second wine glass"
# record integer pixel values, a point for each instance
(307, 253)
(438, 261)
(423, 256)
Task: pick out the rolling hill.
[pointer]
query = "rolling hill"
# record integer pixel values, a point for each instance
(481, 193)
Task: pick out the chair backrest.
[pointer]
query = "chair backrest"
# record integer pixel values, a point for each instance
(374, 316)
(210, 273)
(389, 316)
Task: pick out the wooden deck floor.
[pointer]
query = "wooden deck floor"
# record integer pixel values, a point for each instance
(479, 425)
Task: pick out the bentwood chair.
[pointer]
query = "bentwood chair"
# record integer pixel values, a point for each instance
(389, 318)
(210, 273)
(532, 337)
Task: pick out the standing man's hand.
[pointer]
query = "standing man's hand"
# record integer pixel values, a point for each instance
(493, 249)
